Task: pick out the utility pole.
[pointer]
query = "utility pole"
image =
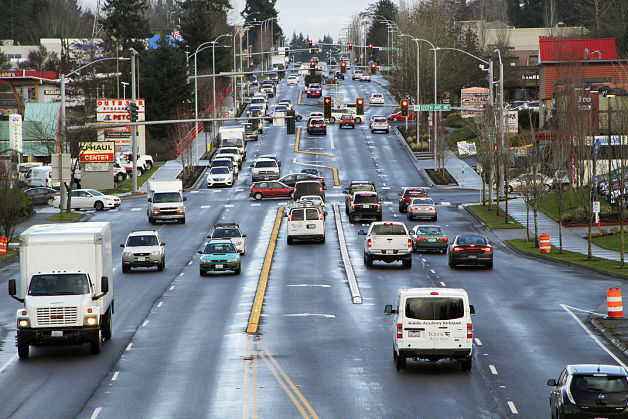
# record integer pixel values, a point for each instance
(133, 128)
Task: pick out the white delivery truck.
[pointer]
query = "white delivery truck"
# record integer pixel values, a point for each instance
(233, 136)
(165, 201)
(65, 286)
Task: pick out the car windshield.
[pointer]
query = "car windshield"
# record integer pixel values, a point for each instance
(310, 171)
(268, 163)
(414, 193)
(219, 248)
(134, 241)
(219, 170)
(365, 187)
(222, 162)
(59, 284)
(477, 240)
(434, 308)
(228, 151)
(422, 201)
(366, 199)
(430, 231)
(347, 116)
(221, 233)
(389, 229)
(600, 383)
(237, 142)
(379, 120)
(95, 193)
(163, 197)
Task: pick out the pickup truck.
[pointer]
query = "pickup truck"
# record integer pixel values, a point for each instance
(387, 241)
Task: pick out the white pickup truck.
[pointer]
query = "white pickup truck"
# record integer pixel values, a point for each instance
(387, 241)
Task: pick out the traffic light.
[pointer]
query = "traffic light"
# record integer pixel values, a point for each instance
(327, 107)
(404, 107)
(132, 110)
(290, 122)
(359, 106)
(370, 47)
(350, 46)
(373, 68)
(309, 42)
(312, 64)
(343, 67)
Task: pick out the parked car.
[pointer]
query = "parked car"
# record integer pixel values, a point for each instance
(89, 198)
(41, 195)
(530, 183)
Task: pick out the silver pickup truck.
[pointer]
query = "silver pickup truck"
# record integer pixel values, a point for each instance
(387, 241)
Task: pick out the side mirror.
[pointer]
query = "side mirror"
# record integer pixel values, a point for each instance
(209, 237)
(104, 284)
(244, 235)
(121, 245)
(12, 288)
(471, 309)
(199, 252)
(185, 198)
(551, 382)
(150, 199)
(362, 233)
(389, 310)
(163, 243)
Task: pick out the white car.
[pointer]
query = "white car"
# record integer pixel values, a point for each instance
(293, 80)
(89, 198)
(379, 124)
(305, 223)
(220, 175)
(316, 115)
(229, 156)
(365, 77)
(232, 150)
(232, 232)
(377, 98)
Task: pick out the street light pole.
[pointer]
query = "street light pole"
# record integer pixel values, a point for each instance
(133, 129)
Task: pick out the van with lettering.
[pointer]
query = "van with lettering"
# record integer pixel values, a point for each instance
(432, 324)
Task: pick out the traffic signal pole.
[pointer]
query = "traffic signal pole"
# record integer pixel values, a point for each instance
(133, 129)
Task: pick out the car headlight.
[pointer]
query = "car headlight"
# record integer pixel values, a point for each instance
(155, 253)
(91, 320)
(233, 260)
(127, 254)
(23, 323)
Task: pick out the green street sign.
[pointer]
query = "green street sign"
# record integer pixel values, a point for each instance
(439, 107)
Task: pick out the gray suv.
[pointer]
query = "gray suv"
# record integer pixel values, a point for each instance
(143, 249)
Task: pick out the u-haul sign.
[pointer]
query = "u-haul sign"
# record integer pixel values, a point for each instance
(97, 152)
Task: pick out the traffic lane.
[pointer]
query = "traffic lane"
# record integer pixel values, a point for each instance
(340, 354)
(50, 368)
(519, 317)
(198, 348)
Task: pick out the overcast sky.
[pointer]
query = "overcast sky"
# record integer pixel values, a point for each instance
(314, 17)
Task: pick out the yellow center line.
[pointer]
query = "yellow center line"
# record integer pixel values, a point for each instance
(296, 146)
(256, 310)
(283, 385)
(299, 101)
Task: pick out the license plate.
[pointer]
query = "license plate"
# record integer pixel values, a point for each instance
(431, 240)
(414, 334)
(473, 257)
(218, 266)
(387, 252)
(141, 259)
(57, 333)
(311, 226)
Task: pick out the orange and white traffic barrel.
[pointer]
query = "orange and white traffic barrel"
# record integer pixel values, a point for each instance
(3, 245)
(614, 304)
(544, 243)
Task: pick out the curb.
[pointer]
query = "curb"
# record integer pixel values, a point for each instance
(356, 298)
(419, 169)
(608, 335)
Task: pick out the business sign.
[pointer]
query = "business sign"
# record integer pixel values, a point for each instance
(115, 111)
(15, 132)
(511, 122)
(466, 148)
(97, 152)
(599, 140)
(473, 98)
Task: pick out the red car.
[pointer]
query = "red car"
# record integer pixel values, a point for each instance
(407, 195)
(347, 120)
(314, 90)
(397, 116)
(270, 189)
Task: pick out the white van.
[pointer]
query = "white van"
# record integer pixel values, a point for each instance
(23, 169)
(306, 223)
(433, 324)
(40, 176)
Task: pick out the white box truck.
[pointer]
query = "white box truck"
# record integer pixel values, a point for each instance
(65, 286)
(233, 136)
(165, 201)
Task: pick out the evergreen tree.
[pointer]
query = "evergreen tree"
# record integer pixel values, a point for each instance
(164, 84)
(42, 60)
(125, 20)
(260, 10)
(378, 31)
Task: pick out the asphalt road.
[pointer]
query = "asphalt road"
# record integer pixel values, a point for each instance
(180, 349)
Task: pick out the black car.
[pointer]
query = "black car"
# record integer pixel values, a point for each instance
(42, 195)
(293, 178)
(365, 205)
(319, 176)
(590, 390)
(317, 126)
(470, 249)
(339, 76)
(357, 186)
(308, 187)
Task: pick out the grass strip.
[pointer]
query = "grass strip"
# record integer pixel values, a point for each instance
(491, 220)
(599, 264)
(127, 184)
(66, 216)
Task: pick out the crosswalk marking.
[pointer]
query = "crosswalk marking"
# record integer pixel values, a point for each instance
(135, 209)
(206, 206)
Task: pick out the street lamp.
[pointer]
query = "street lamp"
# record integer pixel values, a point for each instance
(124, 85)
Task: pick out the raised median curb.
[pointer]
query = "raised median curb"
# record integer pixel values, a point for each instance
(418, 167)
(356, 298)
(610, 336)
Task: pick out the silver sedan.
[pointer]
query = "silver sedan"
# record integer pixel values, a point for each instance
(422, 208)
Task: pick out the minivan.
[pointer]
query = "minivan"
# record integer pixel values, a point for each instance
(432, 324)
(40, 176)
(308, 187)
(306, 223)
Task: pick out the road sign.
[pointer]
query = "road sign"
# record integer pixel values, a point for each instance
(439, 107)
(596, 206)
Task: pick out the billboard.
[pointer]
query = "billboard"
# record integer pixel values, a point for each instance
(97, 152)
(15, 132)
(115, 111)
(511, 122)
(473, 98)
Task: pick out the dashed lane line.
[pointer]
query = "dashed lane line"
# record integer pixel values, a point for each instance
(512, 407)
(493, 369)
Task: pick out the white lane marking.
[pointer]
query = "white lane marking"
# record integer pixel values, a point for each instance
(256, 204)
(171, 288)
(513, 409)
(115, 376)
(493, 369)
(129, 346)
(310, 285)
(337, 187)
(585, 311)
(190, 262)
(160, 304)
(239, 189)
(145, 322)
(423, 260)
(181, 274)
(331, 138)
(6, 364)
(442, 284)
(330, 316)
(135, 209)
(96, 413)
(206, 206)
(228, 205)
(445, 203)
(193, 192)
(432, 271)
(478, 342)
(595, 339)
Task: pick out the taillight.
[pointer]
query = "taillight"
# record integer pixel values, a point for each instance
(457, 249)
(369, 243)
(310, 125)
(379, 205)
(414, 208)
(399, 331)
(469, 331)
(420, 239)
(324, 125)
(321, 189)
(432, 208)
(442, 239)
(352, 205)
(320, 216)
(488, 249)
(409, 242)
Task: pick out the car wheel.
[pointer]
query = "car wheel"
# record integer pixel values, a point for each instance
(368, 261)
(299, 118)
(489, 265)
(22, 348)
(407, 263)
(395, 119)
(387, 131)
(400, 208)
(452, 265)
(409, 217)
(372, 132)
(353, 126)
(434, 218)
(161, 266)
(120, 177)
(182, 220)
(202, 272)
(51, 202)
(400, 363)
(351, 218)
(125, 269)
(289, 240)
(332, 120)
(443, 251)
(149, 165)
(238, 270)
(510, 189)
(95, 345)
(107, 325)
(258, 196)
(151, 220)
(466, 364)
(358, 120)
(99, 206)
